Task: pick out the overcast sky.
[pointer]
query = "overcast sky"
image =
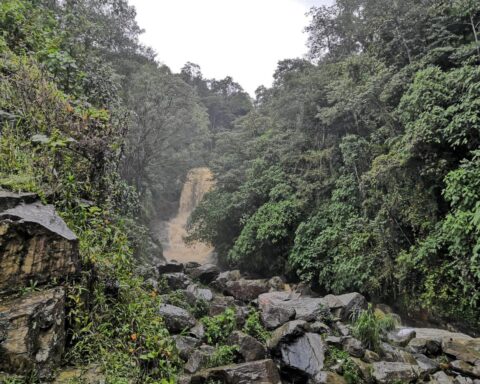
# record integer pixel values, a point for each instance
(241, 38)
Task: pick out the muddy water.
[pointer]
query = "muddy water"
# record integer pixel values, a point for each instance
(199, 181)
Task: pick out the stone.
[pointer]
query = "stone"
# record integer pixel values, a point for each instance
(32, 332)
(286, 333)
(462, 349)
(465, 368)
(353, 303)
(401, 337)
(370, 356)
(430, 347)
(319, 327)
(190, 266)
(90, 374)
(365, 369)
(35, 245)
(220, 304)
(255, 372)
(392, 354)
(177, 280)
(206, 273)
(199, 358)
(441, 378)
(429, 340)
(249, 348)
(176, 319)
(246, 290)
(426, 365)
(172, 266)
(220, 283)
(305, 354)
(353, 347)
(184, 379)
(335, 341)
(185, 345)
(342, 328)
(390, 372)
(276, 283)
(198, 331)
(326, 377)
(200, 293)
(10, 200)
(462, 380)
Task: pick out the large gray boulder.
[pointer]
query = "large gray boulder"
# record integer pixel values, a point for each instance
(466, 369)
(32, 333)
(185, 345)
(200, 293)
(246, 290)
(305, 354)
(171, 266)
(177, 280)
(353, 303)
(35, 245)
(248, 347)
(394, 372)
(464, 349)
(10, 200)
(255, 372)
(287, 333)
(206, 273)
(176, 319)
(199, 359)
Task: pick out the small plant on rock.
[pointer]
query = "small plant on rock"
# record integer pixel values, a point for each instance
(223, 355)
(369, 325)
(350, 371)
(218, 328)
(254, 327)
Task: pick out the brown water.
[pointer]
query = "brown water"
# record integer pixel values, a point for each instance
(199, 181)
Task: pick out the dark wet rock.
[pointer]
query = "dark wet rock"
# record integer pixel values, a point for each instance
(426, 365)
(441, 378)
(10, 200)
(364, 368)
(286, 333)
(220, 304)
(353, 303)
(177, 280)
(185, 345)
(401, 337)
(465, 368)
(326, 377)
(199, 358)
(246, 290)
(176, 319)
(392, 372)
(370, 356)
(335, 341)
(305, 354)
(220, 283)
(353, 347)
(32, 332)
(205, 273)
(35, 245)
(197, 331)
(190, 266)
(249, 348)
(170, 267)
(462, 349)
(392, 354)
(430, 347)
(255, 372)
(200, 293)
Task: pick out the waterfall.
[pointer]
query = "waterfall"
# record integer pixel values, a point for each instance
(199, 181)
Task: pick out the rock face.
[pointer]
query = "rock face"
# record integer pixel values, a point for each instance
(32, 332)
(257, 372)
(9, 199)
(205, 273)
(35, 244)
(246, 290)
(249, 348)
(306, 354)
(394, 372)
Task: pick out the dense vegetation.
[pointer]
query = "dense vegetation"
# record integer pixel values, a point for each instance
(359, 169)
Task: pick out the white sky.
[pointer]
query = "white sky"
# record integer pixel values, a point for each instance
(241, 38)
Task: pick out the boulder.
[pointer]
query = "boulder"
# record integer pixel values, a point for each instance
(220, 304)
(199, 358)
(441, 378)
(429, 340)
(370, 356)
(246, 290)
(353, 303)
(462, 349)
(177, 280)
(35, 244)
(426, 365)
(287, 333)
(401, 337)
(10, 200)
(32, 332)
(200, 293)
(249, 348)
(305, 354)
(220, 283)
(342, 329)
(185, 345)
(394, 372)
(276, 283)
(335, 341)
(91, 375)
(353, 347)
(463, 380)
(326, 377)
(319, 327)
(176, 319)
(206, 273)
(427, 346)
(255, 372)
(171, 266)
(465, 368)
(198, 331)
(363, 368)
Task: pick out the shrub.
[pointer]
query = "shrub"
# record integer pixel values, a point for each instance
(369, 325)
(350, 370)
(254, 327)
(223, 355)
(218, 328)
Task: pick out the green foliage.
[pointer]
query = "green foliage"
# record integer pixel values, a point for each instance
(254, 327)
(350, 372)
(369, 326)
(223, 355)
(218, 328)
